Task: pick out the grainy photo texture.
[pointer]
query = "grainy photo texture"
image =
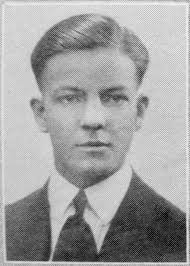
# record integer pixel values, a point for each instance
(89, 79)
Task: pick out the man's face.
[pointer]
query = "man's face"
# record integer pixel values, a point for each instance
(89, 108)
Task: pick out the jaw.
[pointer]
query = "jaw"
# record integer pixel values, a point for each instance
(89, 171)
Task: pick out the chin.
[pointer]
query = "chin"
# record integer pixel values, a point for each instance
(93, 166)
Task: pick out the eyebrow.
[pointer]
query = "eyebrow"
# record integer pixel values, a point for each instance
(114, 88)
(67, 88)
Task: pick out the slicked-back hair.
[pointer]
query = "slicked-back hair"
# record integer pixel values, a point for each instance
(87, 32)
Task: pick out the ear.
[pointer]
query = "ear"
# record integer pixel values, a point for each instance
(38, 109)
(142, 104)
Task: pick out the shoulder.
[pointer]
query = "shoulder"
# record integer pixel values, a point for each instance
(164, 222)
(157, 205)
(24, 210)
(27, 226)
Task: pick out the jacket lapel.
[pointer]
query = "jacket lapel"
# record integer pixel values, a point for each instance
(126, 239)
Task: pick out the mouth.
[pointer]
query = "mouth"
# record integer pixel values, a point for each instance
(94, 144)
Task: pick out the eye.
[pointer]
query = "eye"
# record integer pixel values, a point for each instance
(70, 98)
(115, 98)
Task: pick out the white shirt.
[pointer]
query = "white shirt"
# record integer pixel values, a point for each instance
(104, 199)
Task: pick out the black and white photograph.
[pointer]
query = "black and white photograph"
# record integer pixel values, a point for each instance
(94, 132)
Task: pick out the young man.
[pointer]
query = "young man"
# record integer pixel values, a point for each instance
(93, 207)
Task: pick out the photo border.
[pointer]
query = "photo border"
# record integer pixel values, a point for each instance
(2, 216)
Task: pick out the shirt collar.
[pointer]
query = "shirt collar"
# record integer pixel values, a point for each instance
(106, 196)
(103, 197)
(60, 194)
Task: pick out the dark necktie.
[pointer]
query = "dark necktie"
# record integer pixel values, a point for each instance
(76, 242)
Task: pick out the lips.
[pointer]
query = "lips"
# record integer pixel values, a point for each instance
(94, 144)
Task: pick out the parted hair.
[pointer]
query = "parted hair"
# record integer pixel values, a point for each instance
(89, 31)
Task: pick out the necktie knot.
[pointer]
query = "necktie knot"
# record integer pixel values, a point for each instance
(80, 202)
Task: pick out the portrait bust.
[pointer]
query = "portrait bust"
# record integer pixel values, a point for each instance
(93, 207)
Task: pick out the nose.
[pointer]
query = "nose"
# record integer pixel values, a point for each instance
(94, 117)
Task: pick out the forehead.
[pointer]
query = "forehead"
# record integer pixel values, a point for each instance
(97, 68)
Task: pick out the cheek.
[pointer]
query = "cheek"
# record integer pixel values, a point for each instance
(123, 124)
(61, 124)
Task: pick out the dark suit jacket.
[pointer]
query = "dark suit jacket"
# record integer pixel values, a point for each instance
(146, 228)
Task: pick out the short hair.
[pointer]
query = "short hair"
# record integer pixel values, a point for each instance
(89, 31)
